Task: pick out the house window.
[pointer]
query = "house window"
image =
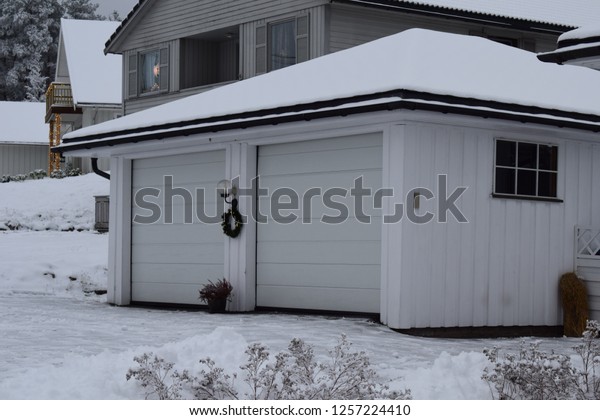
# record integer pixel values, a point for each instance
(150, 72)
(526, 169)
(282, 44)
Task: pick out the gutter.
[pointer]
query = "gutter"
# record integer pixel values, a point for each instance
(387, 101)
(97, 170)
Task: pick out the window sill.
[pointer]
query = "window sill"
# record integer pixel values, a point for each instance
(527, 197)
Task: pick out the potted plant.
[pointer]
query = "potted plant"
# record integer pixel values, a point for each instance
(216, 295)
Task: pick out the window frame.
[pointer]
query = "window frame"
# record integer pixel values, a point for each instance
(133, 75)
(140, 71)
(263, 49)
(516, 167)
(269, 41)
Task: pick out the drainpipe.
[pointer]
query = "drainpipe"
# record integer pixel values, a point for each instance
(97, 171)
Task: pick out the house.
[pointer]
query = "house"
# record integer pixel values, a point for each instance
(176, 48)
(87, 86)
(439, 186)
(23, 139)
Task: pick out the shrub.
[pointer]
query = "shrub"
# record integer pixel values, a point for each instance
(536, 375)
(215, 291)
(292, 374)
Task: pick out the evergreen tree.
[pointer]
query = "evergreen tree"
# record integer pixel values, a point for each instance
(81, 9)
(29, 32)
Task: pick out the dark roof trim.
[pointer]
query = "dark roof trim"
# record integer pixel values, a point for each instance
(578, 41)
(123, 24)
(574, 54)
(401, 99)
(468, 16)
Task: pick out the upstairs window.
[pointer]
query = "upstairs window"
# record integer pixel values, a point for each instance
(525, 169)
(282, 48)
(150, 72)
(282, 44)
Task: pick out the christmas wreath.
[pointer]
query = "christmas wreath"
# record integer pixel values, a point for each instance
(228, 230)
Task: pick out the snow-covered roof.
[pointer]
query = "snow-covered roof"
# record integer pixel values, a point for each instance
(23, 123)
(579, 44)
(591, 31)
(95, 78)
(563, 12)
(474, 69)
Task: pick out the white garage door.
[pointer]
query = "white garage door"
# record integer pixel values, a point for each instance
(171, 261)
(309, 264)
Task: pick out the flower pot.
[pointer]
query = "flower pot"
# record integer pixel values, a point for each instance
(217, 306)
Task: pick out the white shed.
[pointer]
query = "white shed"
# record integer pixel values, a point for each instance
(433, 179)
(23, 138)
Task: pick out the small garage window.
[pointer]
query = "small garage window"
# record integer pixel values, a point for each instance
(526, 169)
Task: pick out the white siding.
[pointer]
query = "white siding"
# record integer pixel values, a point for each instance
(18, 159)
(316, 265)
(171, 261)
(503, 266)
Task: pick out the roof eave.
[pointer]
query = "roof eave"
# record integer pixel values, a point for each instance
(402, 99)
(115, 38)
(560, 57)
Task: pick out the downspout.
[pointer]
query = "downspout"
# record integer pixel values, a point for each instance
(97, 171)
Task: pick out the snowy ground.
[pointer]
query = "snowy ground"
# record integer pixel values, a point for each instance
(59, 340)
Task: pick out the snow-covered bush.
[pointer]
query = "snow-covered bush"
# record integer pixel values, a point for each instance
(536, 375)
(63, 173)
(293, 374)
(37, 174)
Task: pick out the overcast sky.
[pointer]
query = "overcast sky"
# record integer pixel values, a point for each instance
(121, 6)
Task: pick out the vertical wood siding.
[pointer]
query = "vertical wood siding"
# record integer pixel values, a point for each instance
(503, 266)
(18, 159)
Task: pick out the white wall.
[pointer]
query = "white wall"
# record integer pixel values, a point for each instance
(503, 266)
(18, 159)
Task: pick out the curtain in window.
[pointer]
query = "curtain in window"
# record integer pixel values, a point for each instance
(150, 72)
(283, 45)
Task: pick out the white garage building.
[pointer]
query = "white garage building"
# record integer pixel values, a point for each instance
(507, 146)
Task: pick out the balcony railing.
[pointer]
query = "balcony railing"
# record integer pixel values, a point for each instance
(59, 95)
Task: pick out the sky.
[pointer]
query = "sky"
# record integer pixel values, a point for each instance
(122, 6)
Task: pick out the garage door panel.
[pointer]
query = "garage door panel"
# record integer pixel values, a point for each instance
(336, 299)
(187, 175)
(346, 230)
(186, 294)
(176, 253)
(321, 276)
(176, 234)
(169, 161)
(325, 252)
(193, 274)
(336, 144)
(317, 162)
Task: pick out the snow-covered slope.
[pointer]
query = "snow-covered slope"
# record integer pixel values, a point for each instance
(51, 204)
